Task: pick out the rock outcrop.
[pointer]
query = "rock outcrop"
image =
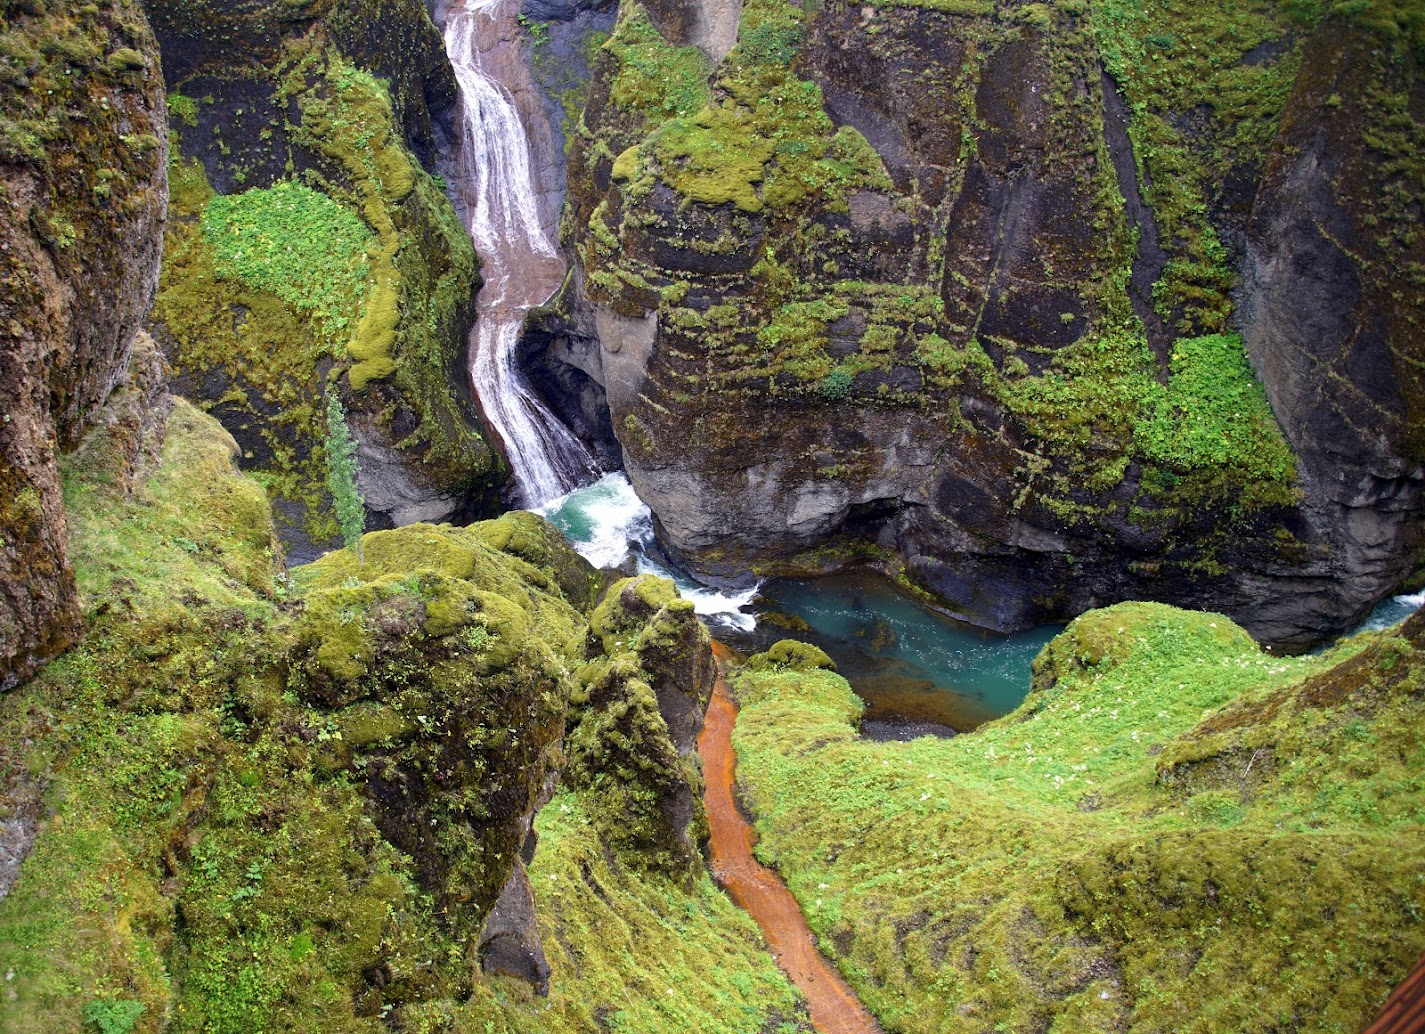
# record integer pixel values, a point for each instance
(953, 293)
(634, 728)
(319, 129)
(440, 629)
(82, 200)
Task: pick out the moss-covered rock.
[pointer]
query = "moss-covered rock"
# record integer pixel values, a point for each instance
(260, 801)
(1176, 831)
(379, 313)
(82, 199)
(633, 734)
(925, 281)
(458, 654)
(789, 653)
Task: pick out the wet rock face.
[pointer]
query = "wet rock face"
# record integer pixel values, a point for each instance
(392, 38)
(984, 342)
(83, 169)
(1329, 320)
(709, 25)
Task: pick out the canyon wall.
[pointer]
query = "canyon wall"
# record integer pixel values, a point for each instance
(312, 248)
(963, 292)
(83, 192)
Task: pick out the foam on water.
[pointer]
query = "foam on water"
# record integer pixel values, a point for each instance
(609, 526)
(729, 608)
(1393, 611)
(602, 521)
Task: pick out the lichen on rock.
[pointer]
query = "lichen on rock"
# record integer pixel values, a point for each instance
(82, 200)
(925, 282)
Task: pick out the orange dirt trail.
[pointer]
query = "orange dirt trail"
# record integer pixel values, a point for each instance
(834, 1006)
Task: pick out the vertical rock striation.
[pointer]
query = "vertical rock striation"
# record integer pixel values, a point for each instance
(1332, 302)
(963, 293)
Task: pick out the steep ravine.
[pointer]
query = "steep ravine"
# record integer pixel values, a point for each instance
(497, 187)
(972, 304)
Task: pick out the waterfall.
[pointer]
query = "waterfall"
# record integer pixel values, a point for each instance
(520, 264)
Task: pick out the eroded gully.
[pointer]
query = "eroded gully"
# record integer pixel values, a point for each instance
(834, 1007)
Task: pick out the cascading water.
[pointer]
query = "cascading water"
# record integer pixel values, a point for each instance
(520, 264)
(495, 185)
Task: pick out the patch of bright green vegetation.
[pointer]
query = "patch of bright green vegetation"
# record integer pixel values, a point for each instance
(182, 109)
(1199, 111)
(296, 243)
(651, 76)
(764, 137)
(1176, 831)
(1213, 418)
(272, 347)
(351, 122)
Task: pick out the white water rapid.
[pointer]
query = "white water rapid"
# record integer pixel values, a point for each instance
(520, 264)
(609, 526)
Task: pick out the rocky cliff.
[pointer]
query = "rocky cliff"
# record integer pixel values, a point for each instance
(253, 801)
(82, 199)
(961, 289)
(311, 247)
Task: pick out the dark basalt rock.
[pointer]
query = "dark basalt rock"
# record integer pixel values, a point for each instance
(510, 941)
(252, 118)
(1328, 322)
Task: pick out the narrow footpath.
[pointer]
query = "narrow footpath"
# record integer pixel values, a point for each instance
(834, 1006)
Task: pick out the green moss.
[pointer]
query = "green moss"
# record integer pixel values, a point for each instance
(1179, 59)
(173, 579)
(182, 109)
(652, 77)
(393, 286)
(298, 244)
(628, 949)
(251, 334)
(789, 653)
(324, 779)
(1214, 418)
(625, 168)
(1168, 791)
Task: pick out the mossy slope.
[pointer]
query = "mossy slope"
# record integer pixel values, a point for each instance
(1176, 831)
(289, 804)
